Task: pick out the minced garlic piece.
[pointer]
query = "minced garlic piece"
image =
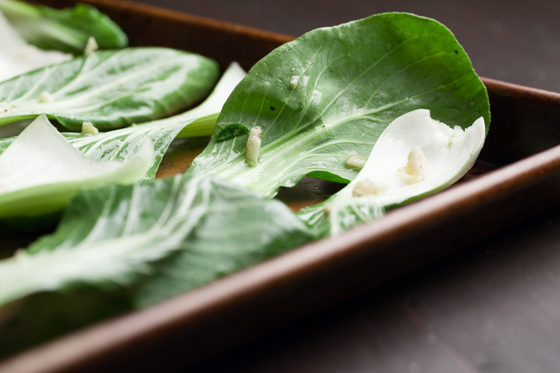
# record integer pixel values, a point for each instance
(253, 146)
(91, 46)
(416, 169)
(294, 81)
(45, 97)
(367, 186)
(354, 161)
(89, 129)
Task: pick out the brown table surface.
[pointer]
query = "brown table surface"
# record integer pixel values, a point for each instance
(494, 307)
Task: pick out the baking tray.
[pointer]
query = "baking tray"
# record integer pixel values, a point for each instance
(516, 177)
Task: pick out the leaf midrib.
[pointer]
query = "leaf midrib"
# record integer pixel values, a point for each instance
(77, 103)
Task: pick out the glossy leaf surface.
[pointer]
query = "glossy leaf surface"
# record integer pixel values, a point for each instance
(40, 171)
(334, 90)
(126, 247)
(110, 89)
(449, 154)
(122, 144)
(66, 29)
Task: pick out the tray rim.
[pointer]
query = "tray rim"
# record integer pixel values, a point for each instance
(88, 344)
(85, 345)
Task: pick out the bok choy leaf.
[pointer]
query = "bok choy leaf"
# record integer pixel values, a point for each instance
(66, 30)
(122, 144)
(127, 247)
(415, 156)
(110, 89)
(334, 90)
(18, 57)
(40, 171)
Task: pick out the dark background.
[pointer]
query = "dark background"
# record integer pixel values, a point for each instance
(494, 307)
(514, 41)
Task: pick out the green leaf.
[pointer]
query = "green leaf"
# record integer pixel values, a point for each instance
(385, 181)
(66, 29)
(334, 90)
(40, 171)
(147, 242)
(122, 144)
(110, 89)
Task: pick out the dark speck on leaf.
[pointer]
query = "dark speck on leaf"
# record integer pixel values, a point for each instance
(456, 52)
(272, 108)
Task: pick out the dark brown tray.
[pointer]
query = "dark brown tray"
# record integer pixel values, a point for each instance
(517, 176)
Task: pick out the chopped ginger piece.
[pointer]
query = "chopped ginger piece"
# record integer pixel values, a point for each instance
(254, 146)
(91, 46)
(416, 169)
(354, 161)
(89, 129)
(367, 187)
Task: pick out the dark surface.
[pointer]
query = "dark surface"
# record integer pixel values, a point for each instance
(514, 41)
(492, 308)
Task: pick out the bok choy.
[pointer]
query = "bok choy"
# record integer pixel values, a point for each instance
(351, 103)
(18, 57)
(41, 171)
(122, 144)
(333, 91)
(120, 248)
(66, 30)
(110, 89)
(414, 156)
